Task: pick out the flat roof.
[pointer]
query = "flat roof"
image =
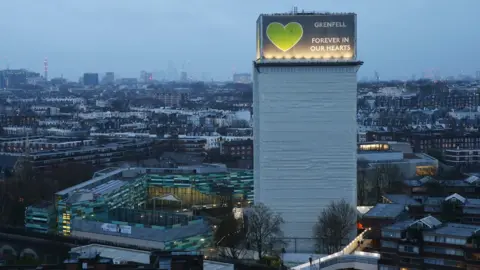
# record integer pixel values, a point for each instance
(115, 253)
(89, 182)
(202, 169)
(108, 187)
(118, 254)
(211, 265)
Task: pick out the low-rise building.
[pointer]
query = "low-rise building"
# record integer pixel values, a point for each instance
(41, 217)
(419, 188)
(182, 189)
(434, 139)
(460, 209)
(242, 149)
(399, 154)
(428, 243)
(45, 154)
(462, 157)
(146, 229)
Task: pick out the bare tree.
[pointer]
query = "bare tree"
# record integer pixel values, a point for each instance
(230, 238)
(334, 225)
(387, 179)
(264, 231)
(28, 186)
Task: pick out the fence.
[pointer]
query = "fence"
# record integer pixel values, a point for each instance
(306, 245)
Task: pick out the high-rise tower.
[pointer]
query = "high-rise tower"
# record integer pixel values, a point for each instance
(45, 69)
(305, 99)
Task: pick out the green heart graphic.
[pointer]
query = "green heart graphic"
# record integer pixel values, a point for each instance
(284, 37)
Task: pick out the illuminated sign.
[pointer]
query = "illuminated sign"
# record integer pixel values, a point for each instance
(317, 36)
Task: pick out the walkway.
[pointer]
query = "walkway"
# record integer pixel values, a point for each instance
(348, 257)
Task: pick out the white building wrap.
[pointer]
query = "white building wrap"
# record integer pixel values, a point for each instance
(305, 142)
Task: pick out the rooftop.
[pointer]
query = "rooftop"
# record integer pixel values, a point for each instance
(456, 229)
(400, 226)
(400, 199)
(111, 179)
(86, 184)
(117, 254)
(390, 211)
(82, 148)
(42, 204)
(108, 187)
(296, 12)
(470, 205)
(429, 221)
(449, 183)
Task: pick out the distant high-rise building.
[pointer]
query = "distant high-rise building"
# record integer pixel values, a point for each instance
(477, 75)
(304, 100)
(146, 77)
(242, 78)
(183, 76)
(11, 78)
(109, 78)
(90, 79)
(172, 73)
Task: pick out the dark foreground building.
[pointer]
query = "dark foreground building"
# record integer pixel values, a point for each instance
(428, 243)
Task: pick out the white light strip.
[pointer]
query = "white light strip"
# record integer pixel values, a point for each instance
(344, 251)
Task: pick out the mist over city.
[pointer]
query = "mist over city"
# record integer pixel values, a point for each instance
(239, 134)
(214, 40)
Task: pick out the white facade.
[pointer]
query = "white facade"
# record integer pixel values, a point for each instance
(305, 142)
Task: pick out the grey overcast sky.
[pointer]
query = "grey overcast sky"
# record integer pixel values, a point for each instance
(217, 37)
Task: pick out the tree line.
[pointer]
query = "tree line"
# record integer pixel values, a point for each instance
(26, 186)
(373, 182)
(259, 230)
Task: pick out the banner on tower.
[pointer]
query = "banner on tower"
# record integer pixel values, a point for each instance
(307, 36)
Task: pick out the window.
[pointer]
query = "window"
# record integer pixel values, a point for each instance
(440, 239)
(433, 261)
(453, 263)
(390, 234)
(451, 251)
(455, 241)
(441, 250)
(429, 238)
(389, 244)
(409, 249)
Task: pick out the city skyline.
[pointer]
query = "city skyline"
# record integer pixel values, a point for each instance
(79, 38)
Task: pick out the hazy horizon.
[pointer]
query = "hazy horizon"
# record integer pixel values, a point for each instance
(395, 38)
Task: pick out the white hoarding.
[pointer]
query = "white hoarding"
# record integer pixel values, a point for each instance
(117, 228)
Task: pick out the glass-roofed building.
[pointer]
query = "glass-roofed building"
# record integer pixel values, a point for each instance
(209, 185)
